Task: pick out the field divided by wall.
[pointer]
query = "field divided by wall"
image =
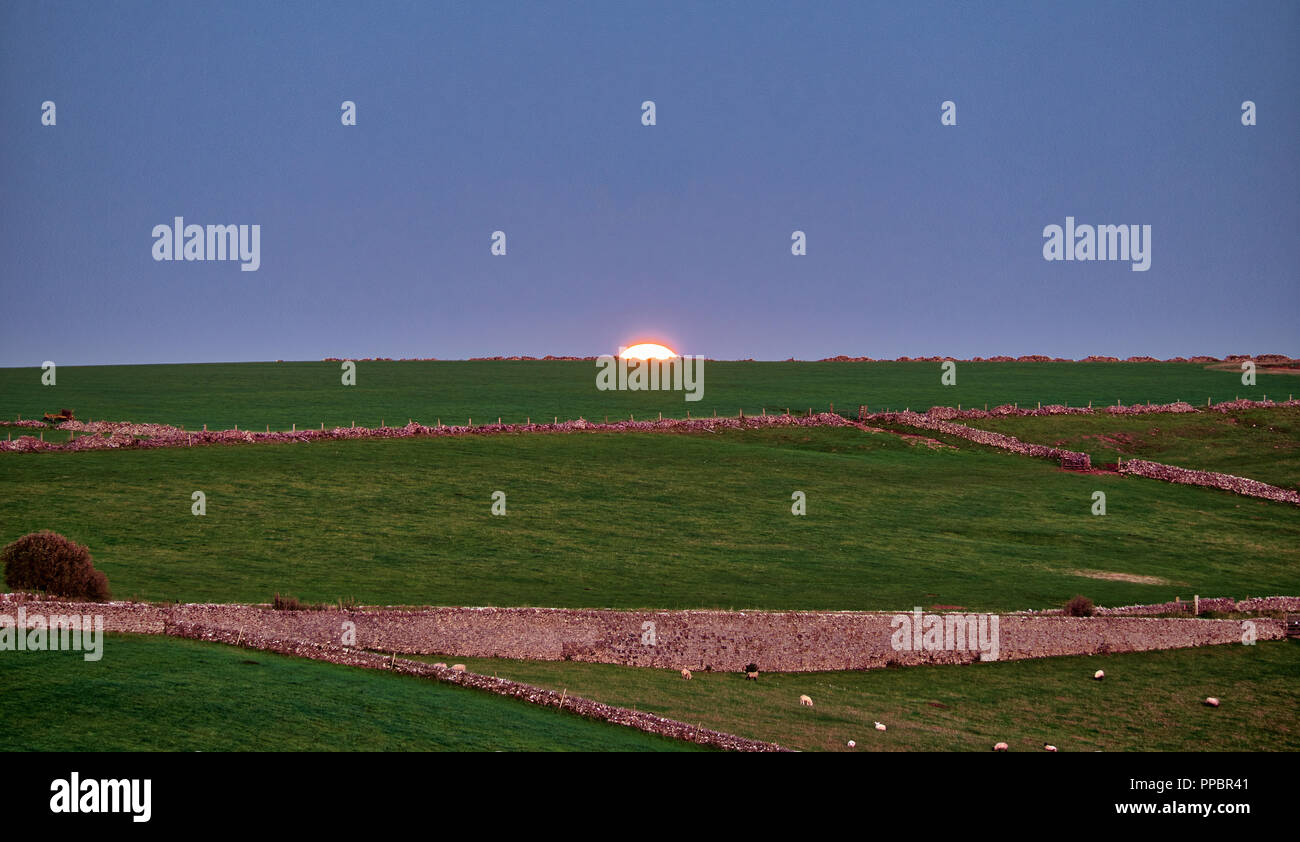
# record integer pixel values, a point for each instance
(255, 395)
(637, 520)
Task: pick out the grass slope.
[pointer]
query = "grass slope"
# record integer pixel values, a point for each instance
(643, 521)
(164, 694)
(254, 395)
(1150, 701)
(1262, 444)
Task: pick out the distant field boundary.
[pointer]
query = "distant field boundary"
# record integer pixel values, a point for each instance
(936, 420)
(721, 641)
(948, 413)
(1068, 458)
(111, 435)
(125, 435)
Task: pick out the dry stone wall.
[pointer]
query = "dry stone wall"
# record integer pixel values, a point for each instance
(102, 435)
(698, 640)
(1209, 479)
(1072, 458)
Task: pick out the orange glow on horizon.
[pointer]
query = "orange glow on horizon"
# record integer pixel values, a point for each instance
(648, 351)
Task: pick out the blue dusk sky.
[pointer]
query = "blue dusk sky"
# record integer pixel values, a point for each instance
(474, 117)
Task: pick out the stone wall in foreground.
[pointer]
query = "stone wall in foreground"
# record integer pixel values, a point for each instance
(501, 686)
(707, 640)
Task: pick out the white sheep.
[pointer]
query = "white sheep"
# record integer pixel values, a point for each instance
(1048, 747)
(806, 701)
(853, 744)
(880, 726)
(686, 674)
(1099, 675)
(1211, 701)
(1001, 747)
(458, 667)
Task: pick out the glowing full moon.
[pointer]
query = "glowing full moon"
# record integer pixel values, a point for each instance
(648, 351)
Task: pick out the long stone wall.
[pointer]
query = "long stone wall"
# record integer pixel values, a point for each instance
(936, 420)
(107, 435)
(1072, 458)
(698, 640)
(1209, 479)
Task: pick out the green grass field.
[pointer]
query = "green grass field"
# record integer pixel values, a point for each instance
(1262, 444)
(643, 521)
(653, 521)
(1149, 701)
(165, 694)
(254, 395)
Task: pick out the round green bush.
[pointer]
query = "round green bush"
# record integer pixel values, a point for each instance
(47, 561)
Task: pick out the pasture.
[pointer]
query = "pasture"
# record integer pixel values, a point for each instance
(644, 520)
(1149, 701)
(167, 694)
(307, 394)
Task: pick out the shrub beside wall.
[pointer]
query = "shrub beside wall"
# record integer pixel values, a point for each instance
(50, 563)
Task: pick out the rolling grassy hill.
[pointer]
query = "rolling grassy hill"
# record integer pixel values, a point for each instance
(254, 395)
(165, 694)
(639, 520)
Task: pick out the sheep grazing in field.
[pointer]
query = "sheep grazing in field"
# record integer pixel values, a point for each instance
(880, 726)
(1048, 747)
(1099, 675)
(853, 744)
(458, 667)
(686, 674)
(806, 701)
(1211, 701)
(1001, 747)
